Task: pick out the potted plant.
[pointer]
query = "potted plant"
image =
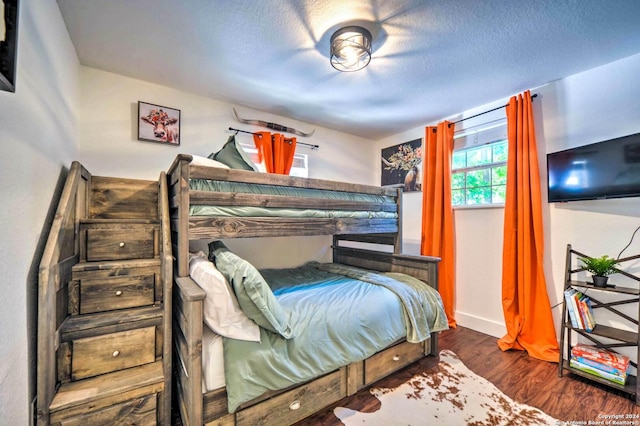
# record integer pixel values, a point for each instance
(601, 267)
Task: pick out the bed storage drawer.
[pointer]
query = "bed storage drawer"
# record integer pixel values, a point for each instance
(92, 356)
(116, 293)
(114, 285)
(389, 360)
(108, 241)
(107, 244)
(296, 404)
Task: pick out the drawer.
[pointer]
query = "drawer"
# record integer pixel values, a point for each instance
(139, 411)
(106, 286)
(119, 244)
(92, 356)
(296, 404)
(389, 360)
(106, 294)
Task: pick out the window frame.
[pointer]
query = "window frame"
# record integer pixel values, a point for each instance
(484, 135)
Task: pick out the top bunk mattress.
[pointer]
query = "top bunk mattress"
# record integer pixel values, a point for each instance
(355, 204)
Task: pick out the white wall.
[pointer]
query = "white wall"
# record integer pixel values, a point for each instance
(596, 105)
(38, 141)
(589, 107)
(110, 147)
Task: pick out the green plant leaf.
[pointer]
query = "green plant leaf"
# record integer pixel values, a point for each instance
(601, 266)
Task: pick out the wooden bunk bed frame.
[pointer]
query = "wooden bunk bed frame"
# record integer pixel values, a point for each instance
(293, 404)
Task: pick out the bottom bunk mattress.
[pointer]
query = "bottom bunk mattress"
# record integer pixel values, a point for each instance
(336, 315)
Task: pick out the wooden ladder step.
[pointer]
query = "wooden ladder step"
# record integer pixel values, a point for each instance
(118, 198)
(107, 390)
(80, 326)
(115, 265)
(123, 221)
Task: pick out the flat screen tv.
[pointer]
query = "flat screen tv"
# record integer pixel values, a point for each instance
(609, 169)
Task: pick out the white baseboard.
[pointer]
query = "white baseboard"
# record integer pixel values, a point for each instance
(483, 325)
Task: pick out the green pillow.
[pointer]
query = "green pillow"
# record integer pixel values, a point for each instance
(233, 156)
(253, 293)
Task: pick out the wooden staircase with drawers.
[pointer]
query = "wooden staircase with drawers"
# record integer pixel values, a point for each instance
(104, 305)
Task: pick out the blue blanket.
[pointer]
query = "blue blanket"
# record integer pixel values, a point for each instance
(337, 319)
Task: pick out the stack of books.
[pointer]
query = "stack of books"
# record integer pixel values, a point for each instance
(580, 310)
(600, 362)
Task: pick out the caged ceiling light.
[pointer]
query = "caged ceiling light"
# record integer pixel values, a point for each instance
(350, 48)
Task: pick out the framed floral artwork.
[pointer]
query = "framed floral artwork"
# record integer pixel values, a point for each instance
(402, 166)
(158, 124)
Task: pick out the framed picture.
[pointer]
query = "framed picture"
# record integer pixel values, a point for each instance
(402, 166)
(158, 124)
(8, 44)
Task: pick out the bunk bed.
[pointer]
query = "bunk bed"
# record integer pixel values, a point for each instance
(216, 203)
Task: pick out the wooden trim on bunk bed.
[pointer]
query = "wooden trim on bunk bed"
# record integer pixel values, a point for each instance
(166, 276)
(199, 408)
(185, 228)
(187, 336)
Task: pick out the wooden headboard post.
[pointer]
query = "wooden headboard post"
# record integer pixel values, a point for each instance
(397, 246)
(178, 179)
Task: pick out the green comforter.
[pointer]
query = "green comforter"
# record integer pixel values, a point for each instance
(339, 315)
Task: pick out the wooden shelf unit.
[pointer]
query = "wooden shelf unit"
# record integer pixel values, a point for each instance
(602, 336)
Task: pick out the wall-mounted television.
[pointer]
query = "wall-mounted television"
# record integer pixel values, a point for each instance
(609, 169)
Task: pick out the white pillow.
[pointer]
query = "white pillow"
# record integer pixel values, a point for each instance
(204, 161)
(222, 312)
(212, 361)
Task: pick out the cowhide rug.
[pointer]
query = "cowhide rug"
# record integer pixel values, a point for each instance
(450, 395)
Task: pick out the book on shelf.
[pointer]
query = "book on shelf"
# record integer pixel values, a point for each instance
(580, 310)
(601, 366)
(597, 372)
(586, 312)
(568, 296)
(609, 358)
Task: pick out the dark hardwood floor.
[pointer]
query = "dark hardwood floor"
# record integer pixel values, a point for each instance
(524, 379)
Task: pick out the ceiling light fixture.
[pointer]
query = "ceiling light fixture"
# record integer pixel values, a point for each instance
(350, 48)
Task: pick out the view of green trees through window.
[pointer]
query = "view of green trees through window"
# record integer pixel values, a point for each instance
(479, 175)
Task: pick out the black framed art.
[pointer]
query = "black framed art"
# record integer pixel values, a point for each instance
(402, 166)
(158, 123)
(8, 44)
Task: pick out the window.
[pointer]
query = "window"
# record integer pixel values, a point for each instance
(479, 167)
(300, 166)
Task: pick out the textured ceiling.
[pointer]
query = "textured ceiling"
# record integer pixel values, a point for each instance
(431, 59)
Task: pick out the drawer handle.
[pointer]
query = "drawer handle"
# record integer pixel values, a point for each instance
(295, 405)
(115, 353)
(121, 244)
(396, 358)
(119, 293)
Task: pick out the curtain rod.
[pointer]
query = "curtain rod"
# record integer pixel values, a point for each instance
(535, 95)
(252, 133)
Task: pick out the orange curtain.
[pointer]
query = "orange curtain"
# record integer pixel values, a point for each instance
(276, 151)
(438, 237)
(525, 301)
